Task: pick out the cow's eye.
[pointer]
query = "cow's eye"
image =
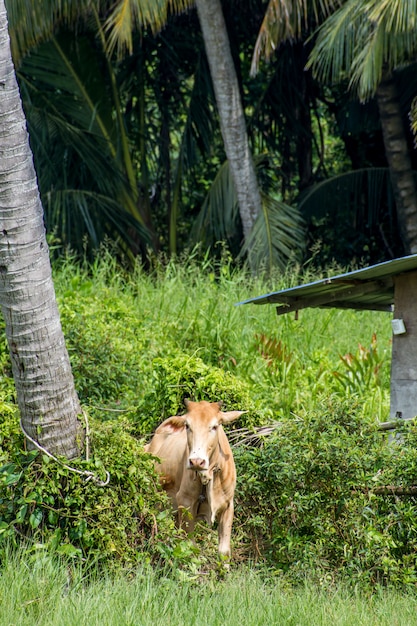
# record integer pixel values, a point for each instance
(187, 427)
(214, 428)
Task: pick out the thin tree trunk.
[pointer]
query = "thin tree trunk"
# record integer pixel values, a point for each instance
(45, 390)
(396, 150)
(230, 108)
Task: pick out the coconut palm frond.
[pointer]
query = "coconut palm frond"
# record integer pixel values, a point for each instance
(357, 207)
(179, 6)
(338, 40)
(127, 16)
(75, 214)
(58, 72)
(286, 20)
(278, 236)
(195, 140)
(219, 214)
(84, 194)
(388, 45)
(413, 117)
(367, 66)
(363, 39)
(77, 141)
(31, 23)
(397, 15)
(359, 193)
(282, 21)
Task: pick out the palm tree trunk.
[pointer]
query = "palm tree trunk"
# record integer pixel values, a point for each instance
(230, 108)
(45, 390)
(396, 150)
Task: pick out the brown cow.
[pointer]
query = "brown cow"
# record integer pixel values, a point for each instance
(196, 466)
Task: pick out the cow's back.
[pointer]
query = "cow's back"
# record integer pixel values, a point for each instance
(170, 449)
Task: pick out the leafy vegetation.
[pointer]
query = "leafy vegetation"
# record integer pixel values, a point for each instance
(128, 146)
(311, 461)
(70, 511)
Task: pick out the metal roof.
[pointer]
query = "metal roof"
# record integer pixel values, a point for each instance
(369, 288)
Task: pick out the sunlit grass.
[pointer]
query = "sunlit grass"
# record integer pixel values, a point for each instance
(190, 307)
(35, 590)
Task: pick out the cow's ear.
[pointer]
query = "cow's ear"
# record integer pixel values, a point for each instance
(230, 416)
(172, 425)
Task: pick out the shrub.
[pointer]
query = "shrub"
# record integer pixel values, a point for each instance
(183, 376)
(104, 341)
(46, 504)
(362, 371)
(305, 498)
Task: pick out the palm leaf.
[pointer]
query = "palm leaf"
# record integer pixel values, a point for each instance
(278, 236)
(219, 213)
(359, 193)
(355, 215)
(76, 143)
(73, 214)
(413, 117)
(128, 16)
(337, 42)
(363, 39)
(286, 20)
(195, 140)
(32, 22)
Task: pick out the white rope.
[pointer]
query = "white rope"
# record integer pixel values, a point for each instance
(86, 473)
(87, 436)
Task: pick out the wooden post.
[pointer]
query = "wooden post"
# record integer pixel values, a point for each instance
(404, 348)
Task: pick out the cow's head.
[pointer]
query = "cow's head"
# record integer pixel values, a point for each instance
(201, 422)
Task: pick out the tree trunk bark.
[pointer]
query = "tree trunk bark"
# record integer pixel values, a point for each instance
(396, 150)
(230, 108)
(46, 395)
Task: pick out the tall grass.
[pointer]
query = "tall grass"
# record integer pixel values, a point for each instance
(125, 321)
(37, 591)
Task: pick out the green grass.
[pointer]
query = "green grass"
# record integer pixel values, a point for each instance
(117, 324)
(38, 591)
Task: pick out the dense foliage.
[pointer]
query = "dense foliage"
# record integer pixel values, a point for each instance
(129, 147)
(307, 498)
(70, 511)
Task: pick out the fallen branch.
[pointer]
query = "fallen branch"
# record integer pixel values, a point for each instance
(394, 490)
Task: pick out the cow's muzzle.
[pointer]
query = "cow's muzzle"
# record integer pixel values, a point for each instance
(197, 464)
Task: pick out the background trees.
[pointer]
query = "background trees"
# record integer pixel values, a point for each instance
(373, 44)
(128, 145)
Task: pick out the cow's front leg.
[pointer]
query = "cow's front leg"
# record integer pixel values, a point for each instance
(187, 511)
(225, 529)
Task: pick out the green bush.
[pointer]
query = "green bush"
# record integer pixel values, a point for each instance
(305, 498)
(184, 376)
(45, 504)
(104, 341)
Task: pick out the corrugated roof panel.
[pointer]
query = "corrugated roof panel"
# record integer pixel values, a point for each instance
(368, 288)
